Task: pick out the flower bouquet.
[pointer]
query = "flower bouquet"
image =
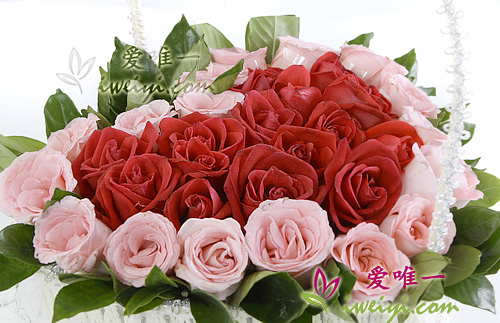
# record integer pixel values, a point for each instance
(287, 179)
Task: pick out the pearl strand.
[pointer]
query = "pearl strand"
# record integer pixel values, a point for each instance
(455, 129)
(137, 24)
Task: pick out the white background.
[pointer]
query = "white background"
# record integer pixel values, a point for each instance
(36, 38)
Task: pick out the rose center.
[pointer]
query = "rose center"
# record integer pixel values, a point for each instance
(217, 257)
(199, 206)
(302, 150)
(112, 152)
(267, 119)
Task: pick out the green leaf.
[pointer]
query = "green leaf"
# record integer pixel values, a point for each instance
(13, 271)
(151, 305)
(363, 39)
(137, 97)
(180, 283)
(490, 255)
(428, 263)
(197, 58)
(128, 63)
(72, 278)
(157, 278)
(181, 52)
(475, 291)
(264, 31)
(58, 195)
(102, 122)
(490, 186)
(340, 312)
(206, 308)
(475, 224)
(169, 294)
(59, 111)
(16, 241)
(464, 260)
(472, 162)
(19, 144)
(82, 297)
(226, 80)
(247, 285)
(109, 95)
(347, 281)
(213, 37)
(493, 270)
(304, 318)
(430, 91)
(124, 295)
(434, 291)
(275, 298)
(424, 264)
(409, 61)
(143, 297)
(6, 157)
(117, 285)
(331, 268)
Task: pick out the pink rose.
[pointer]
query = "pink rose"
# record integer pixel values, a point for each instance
(231, 56)
(368, 65)
(425, 130)
(134, 121)
(288, 235)
(69, 234)
(206, 77)
(409, 222)
(468, 180)
(293, 51)
(418, 176)
(363, 249)
(215, 105)
(467, 191)
(213, 255)
(402, 92)
(71, 140)
(30, 181)
(145, 240)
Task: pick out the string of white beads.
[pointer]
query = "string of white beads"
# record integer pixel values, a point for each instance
(455, 129)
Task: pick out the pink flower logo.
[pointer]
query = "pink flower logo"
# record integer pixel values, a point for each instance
(327, 290)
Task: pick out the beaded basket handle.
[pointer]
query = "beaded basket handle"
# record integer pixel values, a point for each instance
(455, 128)
(137, 24)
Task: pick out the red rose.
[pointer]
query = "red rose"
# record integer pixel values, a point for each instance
(262, 113)
(201, 146)
(315, 147)
(329, 117)
(300, 99)
(366, 115)
(363, 184)
(104, 149)
(397, 135)
(263, 172)
(325, 70)
(295, 75)
(364, 103)
(142, 183)
(195, 199)
(259, 80)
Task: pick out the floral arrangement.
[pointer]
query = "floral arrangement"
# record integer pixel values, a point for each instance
(288, 178)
